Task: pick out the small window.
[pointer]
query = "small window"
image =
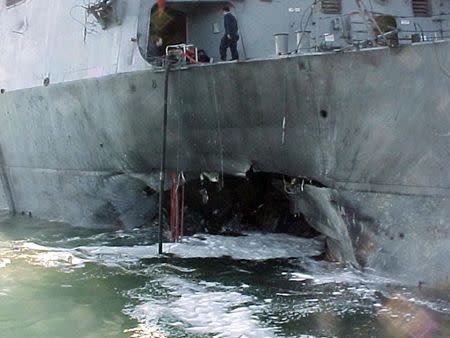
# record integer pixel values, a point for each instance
(12, 3)
(331, 6)
(421, 7)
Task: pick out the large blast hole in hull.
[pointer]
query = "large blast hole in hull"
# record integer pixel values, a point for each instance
(231, 205)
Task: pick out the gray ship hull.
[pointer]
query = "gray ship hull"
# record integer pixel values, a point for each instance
(371, 126)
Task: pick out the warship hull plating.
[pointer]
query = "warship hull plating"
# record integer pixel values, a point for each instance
(371, 126)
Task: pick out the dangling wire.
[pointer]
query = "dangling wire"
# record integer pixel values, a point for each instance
(303, 27)
(89, 26)
(365, 12)
(86, 15)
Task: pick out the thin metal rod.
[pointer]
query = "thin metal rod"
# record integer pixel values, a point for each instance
(163, 155)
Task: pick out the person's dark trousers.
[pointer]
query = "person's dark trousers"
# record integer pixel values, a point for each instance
(226, 43)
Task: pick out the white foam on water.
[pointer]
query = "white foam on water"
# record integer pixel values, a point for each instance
(220, 313)
(4, 262)
(203, 308)
(253, 246)
(343, 276)
(56, 260)
(352, 291)
(300, 277)
(45, 256)
(145, 331)
(198, 309)
(438, 305)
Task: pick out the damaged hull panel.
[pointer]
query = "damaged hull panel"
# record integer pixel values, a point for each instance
(403, 236)
(371, 125)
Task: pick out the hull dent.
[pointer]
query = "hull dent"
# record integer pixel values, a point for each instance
(379, 148)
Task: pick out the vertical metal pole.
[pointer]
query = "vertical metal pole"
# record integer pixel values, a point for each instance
(163, 155)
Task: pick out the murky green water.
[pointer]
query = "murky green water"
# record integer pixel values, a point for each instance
(59, 281)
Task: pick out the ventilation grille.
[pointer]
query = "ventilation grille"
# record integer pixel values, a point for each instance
(331, 6)
(421, 7)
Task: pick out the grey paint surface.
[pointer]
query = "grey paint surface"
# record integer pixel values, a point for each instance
(260, 20)
(405, 237)
(3, 200)
(6, 195)
(46, 39)
(92, 146)
(83, 149)
(316, 204)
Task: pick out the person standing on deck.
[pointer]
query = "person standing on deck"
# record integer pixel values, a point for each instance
(231, 37)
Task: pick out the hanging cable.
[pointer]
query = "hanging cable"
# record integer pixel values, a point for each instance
(303, 28)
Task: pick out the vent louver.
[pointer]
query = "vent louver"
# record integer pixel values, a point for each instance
(421, 7)
(331, 6)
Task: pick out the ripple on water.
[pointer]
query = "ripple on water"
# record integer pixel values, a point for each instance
(213, 285)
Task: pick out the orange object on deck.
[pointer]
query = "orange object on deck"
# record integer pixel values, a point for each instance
(191, 56)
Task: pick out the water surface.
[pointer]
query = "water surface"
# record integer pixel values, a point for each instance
(60, 281)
